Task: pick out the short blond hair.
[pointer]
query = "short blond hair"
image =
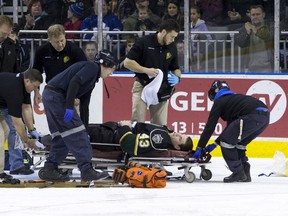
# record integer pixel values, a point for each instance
(6, 20)
(55, 30)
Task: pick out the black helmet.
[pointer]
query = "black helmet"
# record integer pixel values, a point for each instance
(106, 58)
(215, 87)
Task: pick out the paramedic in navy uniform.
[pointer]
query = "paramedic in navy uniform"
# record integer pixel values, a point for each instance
(246, 118)
(149, 53)
(67, 130)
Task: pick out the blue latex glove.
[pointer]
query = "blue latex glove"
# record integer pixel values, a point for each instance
(210, 148)
(173, 79)
(34, 134)
(198, 153)
(68, 115)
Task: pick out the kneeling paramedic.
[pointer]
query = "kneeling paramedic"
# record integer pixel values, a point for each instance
(67, 130)
(246, 118)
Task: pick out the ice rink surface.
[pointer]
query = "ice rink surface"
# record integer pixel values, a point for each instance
(263, 196)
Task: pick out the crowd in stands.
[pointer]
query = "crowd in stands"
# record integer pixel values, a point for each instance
(140, 15)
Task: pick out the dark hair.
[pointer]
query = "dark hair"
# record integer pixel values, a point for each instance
(257, 6)
(187, 146)
(33, 2)
(89, 43)
(33, 75)
(197, 9)
(169, 25)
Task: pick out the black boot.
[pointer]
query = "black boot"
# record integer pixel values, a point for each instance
(236, 177)
(51, 173)
(5, 176)
(8, 179)
(246, 166)
(91, 174)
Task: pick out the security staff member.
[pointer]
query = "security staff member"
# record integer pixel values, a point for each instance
(66, 127)
(246, 118)
(149, 53)
(54, 57)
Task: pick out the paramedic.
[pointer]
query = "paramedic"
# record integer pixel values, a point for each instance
(68, 132)
(246, 117)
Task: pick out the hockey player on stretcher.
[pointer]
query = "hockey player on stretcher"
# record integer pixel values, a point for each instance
(138, 139)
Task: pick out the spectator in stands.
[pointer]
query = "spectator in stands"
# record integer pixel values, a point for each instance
(74, 16)
(54, 57)
(22, 51)
(237, 13)
(8, 56)
(128, 45)
(256, 39)
(211, 11)
(110, 21)
(54, 9)
(173, 12)
(180, 52)
(36, 19)
(90, 50)
(158, 7)
(144, 22)
(197, 24)
(129, 24)
(128, 7)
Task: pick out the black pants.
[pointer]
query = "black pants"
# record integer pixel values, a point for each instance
(238, 134)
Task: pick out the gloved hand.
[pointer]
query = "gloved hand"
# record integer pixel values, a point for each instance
(173, 79)
(198, 153)
(34, 134)
(68, 115)
(210, 148)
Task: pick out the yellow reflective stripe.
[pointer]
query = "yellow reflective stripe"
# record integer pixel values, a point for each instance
(73, 131)
(136, 144)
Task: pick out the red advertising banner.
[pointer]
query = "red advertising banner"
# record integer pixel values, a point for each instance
(189, 106)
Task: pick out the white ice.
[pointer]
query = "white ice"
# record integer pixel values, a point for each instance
(263, 196)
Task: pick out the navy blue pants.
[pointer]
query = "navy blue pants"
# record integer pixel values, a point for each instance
(238, 134)
(66, 137)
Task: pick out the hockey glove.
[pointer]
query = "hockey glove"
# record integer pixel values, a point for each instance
(198, 153)
(173, 79)
(34, 134)
(210, 148)
(68, 115)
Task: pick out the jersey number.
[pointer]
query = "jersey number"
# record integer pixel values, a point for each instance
(144, 141)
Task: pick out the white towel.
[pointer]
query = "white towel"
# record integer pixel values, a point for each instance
(149, 93)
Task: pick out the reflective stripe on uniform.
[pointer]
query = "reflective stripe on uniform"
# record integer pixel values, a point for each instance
(227, 145)
(73, 131)
(68, 132)
(53, 135)
(241, 147)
